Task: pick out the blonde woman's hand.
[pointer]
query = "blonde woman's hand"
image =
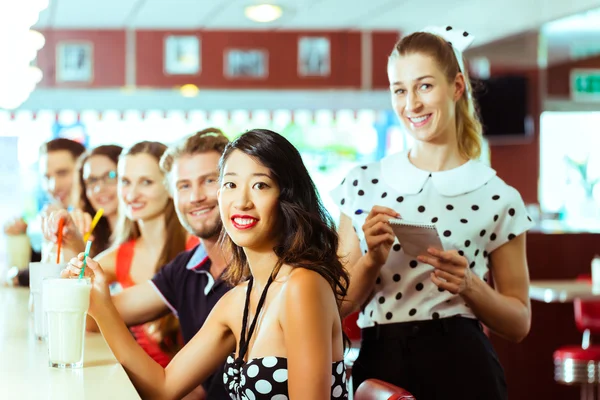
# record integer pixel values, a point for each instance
(452, 271)
(379, 235)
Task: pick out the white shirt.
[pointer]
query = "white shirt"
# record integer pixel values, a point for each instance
(474, 211)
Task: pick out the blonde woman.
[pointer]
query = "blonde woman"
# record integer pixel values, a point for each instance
(420, 314)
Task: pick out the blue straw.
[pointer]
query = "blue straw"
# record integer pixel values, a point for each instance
(85, 256)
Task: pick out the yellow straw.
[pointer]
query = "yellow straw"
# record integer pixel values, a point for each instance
(94, 223)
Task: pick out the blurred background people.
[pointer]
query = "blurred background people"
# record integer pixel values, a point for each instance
(57, 163)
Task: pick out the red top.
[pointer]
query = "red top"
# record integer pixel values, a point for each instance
(122, 270)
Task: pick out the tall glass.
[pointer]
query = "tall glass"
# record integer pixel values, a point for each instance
(66, 302)
(37, 272)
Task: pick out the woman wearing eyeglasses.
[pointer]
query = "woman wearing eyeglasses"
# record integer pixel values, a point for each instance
(97, 188)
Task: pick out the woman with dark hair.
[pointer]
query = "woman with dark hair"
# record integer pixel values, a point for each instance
(279, 329)
(96, 188)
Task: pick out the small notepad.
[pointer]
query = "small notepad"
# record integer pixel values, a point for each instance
(415, 238)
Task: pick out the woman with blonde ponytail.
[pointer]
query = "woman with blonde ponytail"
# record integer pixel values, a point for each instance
(421, 314)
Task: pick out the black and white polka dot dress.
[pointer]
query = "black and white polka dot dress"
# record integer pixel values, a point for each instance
(474, 211)
(266, 378)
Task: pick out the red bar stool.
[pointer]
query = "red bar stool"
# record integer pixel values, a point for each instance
(374, 389)
(580, 365)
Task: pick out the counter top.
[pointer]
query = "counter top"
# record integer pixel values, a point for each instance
(24, 370)
(563, 291)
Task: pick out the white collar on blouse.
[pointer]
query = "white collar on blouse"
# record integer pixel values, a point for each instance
(405, 178)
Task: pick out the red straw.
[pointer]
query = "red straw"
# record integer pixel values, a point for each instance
(61, 224)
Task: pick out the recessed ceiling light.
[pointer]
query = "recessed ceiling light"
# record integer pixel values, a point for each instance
(263, 12)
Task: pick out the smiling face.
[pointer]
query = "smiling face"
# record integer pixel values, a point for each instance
(423, 98)
(141, 187)
(248, 201)
(194, 181)
(100, 177)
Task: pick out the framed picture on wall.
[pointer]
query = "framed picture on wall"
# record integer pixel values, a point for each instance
(181, 55)
(314, 56)
(246, 63)
(74, 62)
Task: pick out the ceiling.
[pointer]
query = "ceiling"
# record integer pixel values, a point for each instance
(488, 20)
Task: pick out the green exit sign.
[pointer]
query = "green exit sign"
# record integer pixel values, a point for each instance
(585, 84)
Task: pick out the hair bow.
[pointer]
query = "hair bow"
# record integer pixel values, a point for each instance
(459, 40)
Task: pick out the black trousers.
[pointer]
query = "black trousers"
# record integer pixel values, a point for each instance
(448, 358)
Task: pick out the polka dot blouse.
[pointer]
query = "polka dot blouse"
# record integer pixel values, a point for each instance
(474, 210)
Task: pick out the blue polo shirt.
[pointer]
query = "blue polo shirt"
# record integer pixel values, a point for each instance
(190, 291)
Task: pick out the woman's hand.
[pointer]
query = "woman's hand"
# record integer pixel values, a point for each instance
(72, 236)
(452, 271)
(82, 221)
(379, 235)
(100, 294)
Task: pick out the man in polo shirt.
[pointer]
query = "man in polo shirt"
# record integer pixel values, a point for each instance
(190, 285)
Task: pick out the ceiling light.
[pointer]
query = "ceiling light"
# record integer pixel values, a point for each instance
(263, 12)
(189, 90)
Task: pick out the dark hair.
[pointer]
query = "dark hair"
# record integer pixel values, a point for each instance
(73, 147)
(102, 232)
(165, 329)
(468, 127)
(308, 236)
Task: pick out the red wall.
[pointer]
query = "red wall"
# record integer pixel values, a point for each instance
(383, 43)
(282, 52)
(282, 47)
(109, 57)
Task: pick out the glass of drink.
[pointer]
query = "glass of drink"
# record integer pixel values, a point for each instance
(18, 250)
(66, 302)
(37, 272)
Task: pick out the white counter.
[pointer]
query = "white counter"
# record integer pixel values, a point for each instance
(24, 371)
(563, 291)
